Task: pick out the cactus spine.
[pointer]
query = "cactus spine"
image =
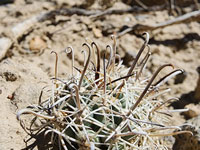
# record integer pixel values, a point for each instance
(106, 105)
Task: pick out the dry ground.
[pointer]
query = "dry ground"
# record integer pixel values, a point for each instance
(23, 72)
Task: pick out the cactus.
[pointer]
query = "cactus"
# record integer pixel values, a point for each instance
(106, 105)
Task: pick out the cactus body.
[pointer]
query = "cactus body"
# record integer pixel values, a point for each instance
(113, 108)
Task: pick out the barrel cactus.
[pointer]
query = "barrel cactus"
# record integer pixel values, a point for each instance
(106, 105)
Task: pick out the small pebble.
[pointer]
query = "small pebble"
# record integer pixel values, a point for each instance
(37, 43)
(10, 97)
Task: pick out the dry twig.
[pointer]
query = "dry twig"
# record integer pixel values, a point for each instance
(189, 17)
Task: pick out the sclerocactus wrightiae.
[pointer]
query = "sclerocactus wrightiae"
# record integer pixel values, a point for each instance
(106, 105)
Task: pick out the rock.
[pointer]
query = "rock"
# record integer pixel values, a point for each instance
(37, 44)
(194, 111)
(187, 141)
(97, 32)
(5, 44)
(26, 94)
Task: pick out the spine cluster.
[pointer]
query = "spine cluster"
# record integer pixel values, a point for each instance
(106, 105)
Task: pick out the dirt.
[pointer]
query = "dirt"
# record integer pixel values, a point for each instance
(25, 71)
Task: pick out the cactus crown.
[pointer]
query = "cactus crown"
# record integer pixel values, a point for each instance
(106, 105)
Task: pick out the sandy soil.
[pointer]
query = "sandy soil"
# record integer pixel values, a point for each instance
(23, 72)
